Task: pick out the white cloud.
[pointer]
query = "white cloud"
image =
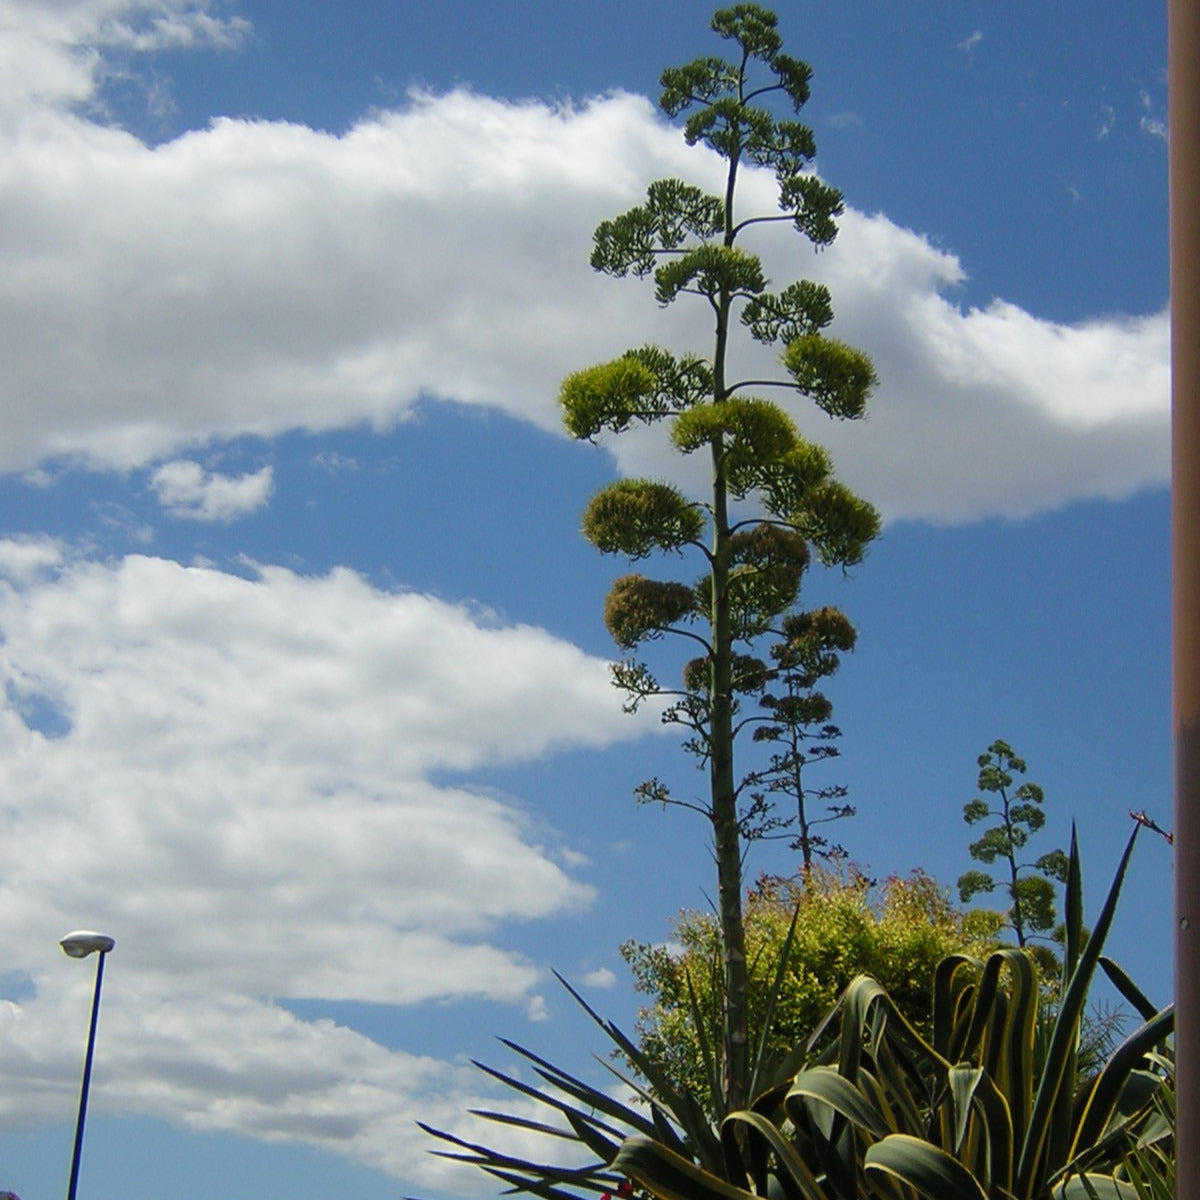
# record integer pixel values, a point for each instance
(23, 560)
(333, 462)
(57, 54)
(1156, 127)
(239, 790)
(122, 520)
(179, 25)
(186, 490)
(602, 977)
(267, 277)
(969, 43)
(1152, 120)
(992, 410)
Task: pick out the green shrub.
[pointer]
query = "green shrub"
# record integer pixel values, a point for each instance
(845, 925)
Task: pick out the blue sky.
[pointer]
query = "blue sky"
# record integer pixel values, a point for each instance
(306, 695)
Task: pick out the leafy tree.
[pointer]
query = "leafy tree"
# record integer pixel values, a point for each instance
(773, 496)
(1029, 885)
(845, 925)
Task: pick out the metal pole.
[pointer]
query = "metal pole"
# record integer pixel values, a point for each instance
(87, 1075)
(1183, 86)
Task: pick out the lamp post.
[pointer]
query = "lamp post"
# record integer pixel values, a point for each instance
(80, 944)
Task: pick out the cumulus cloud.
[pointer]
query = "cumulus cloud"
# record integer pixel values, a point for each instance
(233, 776)
(991, 410)
(602, 977)
(257, 277)
(22, 560)
(60, 54)
(185, 489)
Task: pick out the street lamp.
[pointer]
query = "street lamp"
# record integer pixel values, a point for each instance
(80, 944)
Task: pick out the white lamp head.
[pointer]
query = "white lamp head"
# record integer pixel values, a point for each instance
(83, 942)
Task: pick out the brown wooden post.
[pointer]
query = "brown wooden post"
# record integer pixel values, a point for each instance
(1183, 120)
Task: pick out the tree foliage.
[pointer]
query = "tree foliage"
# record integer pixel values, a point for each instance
(774, 502)
(1029, 886)
(845, 925)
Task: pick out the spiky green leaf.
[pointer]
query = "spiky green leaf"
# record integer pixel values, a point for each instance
(935, 1174)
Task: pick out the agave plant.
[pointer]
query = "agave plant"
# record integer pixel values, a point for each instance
(869, 1109)
(1147, 1171)
(594, 1123)
(1149, 1166)
(879, 1112)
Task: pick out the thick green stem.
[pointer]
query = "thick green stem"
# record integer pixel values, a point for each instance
(726, 834)
(727, 844)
